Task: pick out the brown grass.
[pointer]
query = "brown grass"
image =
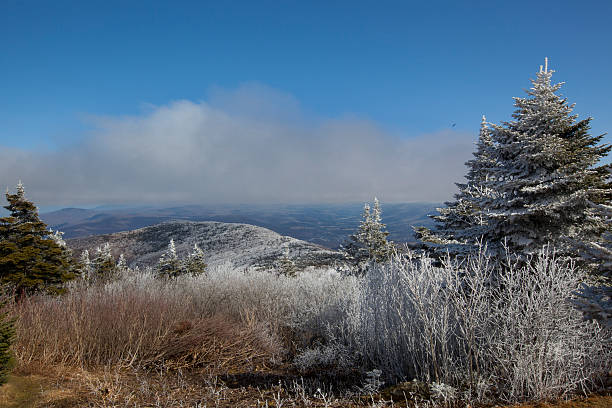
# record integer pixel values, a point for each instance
(216, 344)
(93, 328)
(128, 346)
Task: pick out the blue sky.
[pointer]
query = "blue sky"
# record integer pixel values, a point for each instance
(407, 69)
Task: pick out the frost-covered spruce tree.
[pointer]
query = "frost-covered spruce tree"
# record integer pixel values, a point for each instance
(104, 265)
(375, 236)
(461, 223)
(353, 249)
(195, 263)
(548, 187)
(286, 265)
(369, 243)
(86, 266)
(169, 265)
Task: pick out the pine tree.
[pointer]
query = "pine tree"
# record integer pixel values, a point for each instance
(122, 265)
(7, 335)
(30, 258)
(461, 223)
(369, 243)
(286, 265)
(195, 263)
(169, 265)
(548, 187)
(354, 249)
(104, 269)
(86, 267)
(379, 248)
(533, 181)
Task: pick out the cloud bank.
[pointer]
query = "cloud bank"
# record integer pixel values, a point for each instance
(248, 145)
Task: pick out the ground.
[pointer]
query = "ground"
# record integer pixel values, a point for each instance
(121, 388)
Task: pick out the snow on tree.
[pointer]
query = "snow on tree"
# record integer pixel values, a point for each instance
(103, 268)
(533, 181)
(461, 222)
(169, 265)
(58, 237)
(369, 243)
(548, 187)
(595, 302)
(104, 263)
(122, 265)
(195, 263)
(286, 265)
(86, 266)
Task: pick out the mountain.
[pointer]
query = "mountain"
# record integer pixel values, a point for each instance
(327, 225)
(241, 244)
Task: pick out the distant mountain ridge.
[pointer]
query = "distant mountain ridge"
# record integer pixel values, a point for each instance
(242, 245)
(327, 225)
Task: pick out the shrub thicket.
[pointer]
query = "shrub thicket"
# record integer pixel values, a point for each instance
(479, 333)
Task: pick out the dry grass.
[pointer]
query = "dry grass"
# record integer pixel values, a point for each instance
(226, 339)
(97, 327)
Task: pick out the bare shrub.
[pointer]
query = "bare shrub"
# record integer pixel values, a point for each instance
(298, 309)
(133, 321)
(469, 331)
(216, 343)
(512, 334)
(138, 319)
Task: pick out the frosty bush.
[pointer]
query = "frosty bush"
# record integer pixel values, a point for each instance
(124, 320)
(469, 331)
(512, 334)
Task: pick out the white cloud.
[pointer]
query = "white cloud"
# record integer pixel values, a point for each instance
(248, 145)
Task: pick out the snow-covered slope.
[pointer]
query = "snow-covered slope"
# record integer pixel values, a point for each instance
(240, 244)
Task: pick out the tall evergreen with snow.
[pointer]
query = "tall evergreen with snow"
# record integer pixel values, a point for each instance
(369, 243)
(461, 223)
(533, 181)
(547, 182)
(169, 265)
(31, 258)
(195, 264)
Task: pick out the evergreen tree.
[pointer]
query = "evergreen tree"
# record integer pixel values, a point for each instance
(169, 265)
(30, 257)
(103, 267)
(379, 248)
(7, 335)
(354, 249)
(286, 265)
(548, 187)
(533, 181)
(86, 267)
(369, 243)
(122, 265)
(195, 263)
(461, 223)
